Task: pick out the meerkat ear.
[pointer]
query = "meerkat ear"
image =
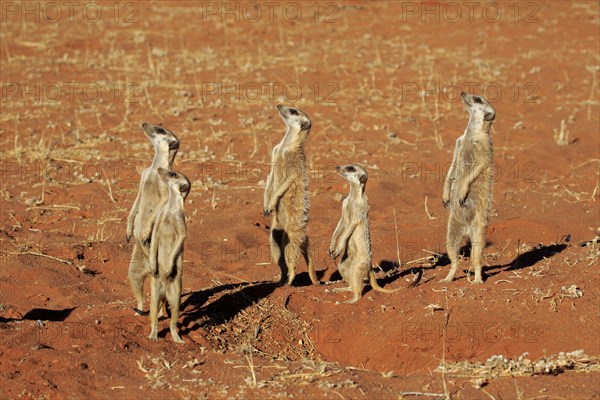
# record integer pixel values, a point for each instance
(489, 116)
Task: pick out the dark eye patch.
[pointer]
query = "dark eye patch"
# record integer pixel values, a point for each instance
(477, 100)
(172, 174)
(350, 169)
(160, 130)
(293, 111)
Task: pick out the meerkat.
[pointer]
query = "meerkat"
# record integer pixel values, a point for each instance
(286, 197)
(351, 238)
(166, 251)
(151, 195)
(468, 186)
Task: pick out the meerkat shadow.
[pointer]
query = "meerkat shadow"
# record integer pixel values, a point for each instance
(393, 271)
(226, 307)
(43, 314)
(336, 276)
(197, 298)
(529, 258)
(303, 279)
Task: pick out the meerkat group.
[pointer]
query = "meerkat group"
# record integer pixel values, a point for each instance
(157, 219)
(151, 195)
(157, 225)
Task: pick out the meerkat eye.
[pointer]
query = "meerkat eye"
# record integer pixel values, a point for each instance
(160, 130)
(172, 174)
(293, 111)
(350, 169)
(477, 100)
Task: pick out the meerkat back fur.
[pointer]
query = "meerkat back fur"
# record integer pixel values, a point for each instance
(286, 197)
(166, 252)
(351, 239)
(151, 195)
(468, 186)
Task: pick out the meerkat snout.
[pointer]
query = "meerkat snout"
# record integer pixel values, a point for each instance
(294, 118)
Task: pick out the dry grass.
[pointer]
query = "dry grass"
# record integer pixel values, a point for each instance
(500, 367)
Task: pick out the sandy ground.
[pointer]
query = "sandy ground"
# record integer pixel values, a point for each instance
(380, 81)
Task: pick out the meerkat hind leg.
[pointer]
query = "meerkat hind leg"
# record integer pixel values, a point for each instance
(292, 255)
(174, 299)
(277, 243)
(157, 298)
(477, 249)
(356, 287)
(453, 239)
(349, 272)
(310, 263)
(137, 274)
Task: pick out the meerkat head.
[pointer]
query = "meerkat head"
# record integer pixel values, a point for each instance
(161, 137)
(294, 118)
(478, 107)
(353, 173)
(176, 181)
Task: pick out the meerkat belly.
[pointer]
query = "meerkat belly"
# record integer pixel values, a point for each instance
(148, 210)
(166, 243)
(477, 202)
(294, 204)
(359, 248)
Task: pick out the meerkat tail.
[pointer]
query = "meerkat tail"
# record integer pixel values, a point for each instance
(312, 272)
(140, 312)
(375, 285)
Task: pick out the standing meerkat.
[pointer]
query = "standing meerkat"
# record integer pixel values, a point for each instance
(151, 195)
(166, 251)
(351, 238)
(286, 197)
(468, 186)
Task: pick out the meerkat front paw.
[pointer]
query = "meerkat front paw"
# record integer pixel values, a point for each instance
(332, 250)
(153, 336)
(339, 251)
(153, 267)
(445, 202)
(147, 240)
(269, 209)
(463, 199)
